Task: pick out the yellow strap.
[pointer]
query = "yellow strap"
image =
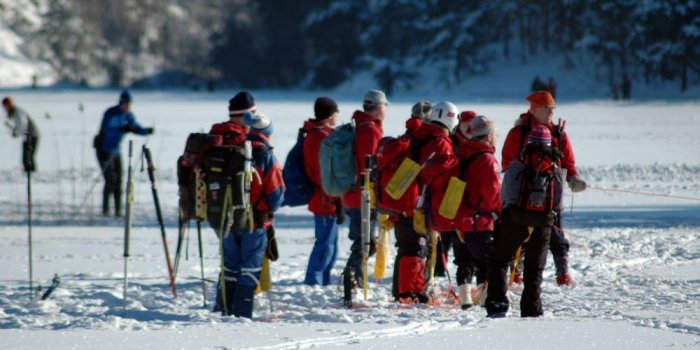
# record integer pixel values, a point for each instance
(517, 257)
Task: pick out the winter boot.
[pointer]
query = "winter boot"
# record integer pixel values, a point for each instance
(243, 301)
(230, 292)
(465, 296)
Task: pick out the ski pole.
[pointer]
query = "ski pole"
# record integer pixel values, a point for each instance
(365, 228)
(29, 222)
(201, 261)
(180, 236)
(127, 217)
(159, 214)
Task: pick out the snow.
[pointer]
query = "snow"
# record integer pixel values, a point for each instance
(635, 258)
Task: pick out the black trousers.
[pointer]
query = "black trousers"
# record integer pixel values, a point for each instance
(559, 246)
(29, 147)
(443, 247)
(472, 257)
(408, 243)
(507, 238)
(111, 166)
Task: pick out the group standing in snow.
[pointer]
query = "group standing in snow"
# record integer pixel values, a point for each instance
(438, 186)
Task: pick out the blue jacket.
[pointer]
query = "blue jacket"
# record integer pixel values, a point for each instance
(115, 123)
(269, 195)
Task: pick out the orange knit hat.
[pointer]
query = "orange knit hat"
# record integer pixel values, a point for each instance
(541, 99)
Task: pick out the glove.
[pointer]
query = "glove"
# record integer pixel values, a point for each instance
(576, 184)
(150, 131)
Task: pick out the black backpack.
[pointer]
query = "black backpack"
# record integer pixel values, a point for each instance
(224, 175)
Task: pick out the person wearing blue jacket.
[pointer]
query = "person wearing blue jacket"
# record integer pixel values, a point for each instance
(116, 122)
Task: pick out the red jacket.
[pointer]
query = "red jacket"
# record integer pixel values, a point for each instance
(515, 143)
(412, 125)
(320, 203)
(482, 197)
(367, 135)
(432, 138)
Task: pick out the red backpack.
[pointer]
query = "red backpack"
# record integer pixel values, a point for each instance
(439, 175)
(390, 153)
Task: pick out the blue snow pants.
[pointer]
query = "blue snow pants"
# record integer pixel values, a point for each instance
(324, 253)
(243, 254)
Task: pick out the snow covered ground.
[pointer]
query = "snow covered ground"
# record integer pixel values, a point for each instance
(635, 258)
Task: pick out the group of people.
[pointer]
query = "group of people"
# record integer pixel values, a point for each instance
(491, 224)
(496, 220)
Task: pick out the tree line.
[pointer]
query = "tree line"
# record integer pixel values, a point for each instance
(321, 43)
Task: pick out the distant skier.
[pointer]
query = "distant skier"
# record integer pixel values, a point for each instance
(540, 113)
(117, 121)
(20, 123)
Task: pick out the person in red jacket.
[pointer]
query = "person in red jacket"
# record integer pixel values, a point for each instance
(541, 111)
(368, 132)
(482, 200)
(323, 206)
(431, 142)
(419, 113)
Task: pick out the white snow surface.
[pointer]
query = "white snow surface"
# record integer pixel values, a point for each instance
(635, 258)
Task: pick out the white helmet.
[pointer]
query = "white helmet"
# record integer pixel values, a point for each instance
(445, 113)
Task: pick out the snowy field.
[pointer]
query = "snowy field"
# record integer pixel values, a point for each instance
(635, 258)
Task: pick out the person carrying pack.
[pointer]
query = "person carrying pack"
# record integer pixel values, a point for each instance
(459, 136)
(531, 195)
(324, 207)
(430, 143)
(482, 204)
(251, 197)
(541, 111)
(368, 132)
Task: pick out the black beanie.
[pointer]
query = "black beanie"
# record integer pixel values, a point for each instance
(324, 108)
(241, 103)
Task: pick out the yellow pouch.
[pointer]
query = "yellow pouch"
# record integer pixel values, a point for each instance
(403, 178)
(265, 282)
(452, 199)
(419, 221)
(382, 245)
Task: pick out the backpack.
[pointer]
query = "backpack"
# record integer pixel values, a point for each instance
(391, 153)
(535, 191)
(299, 188)
(438, 189)
(196, 145)
(223, 166)
(337, 159)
